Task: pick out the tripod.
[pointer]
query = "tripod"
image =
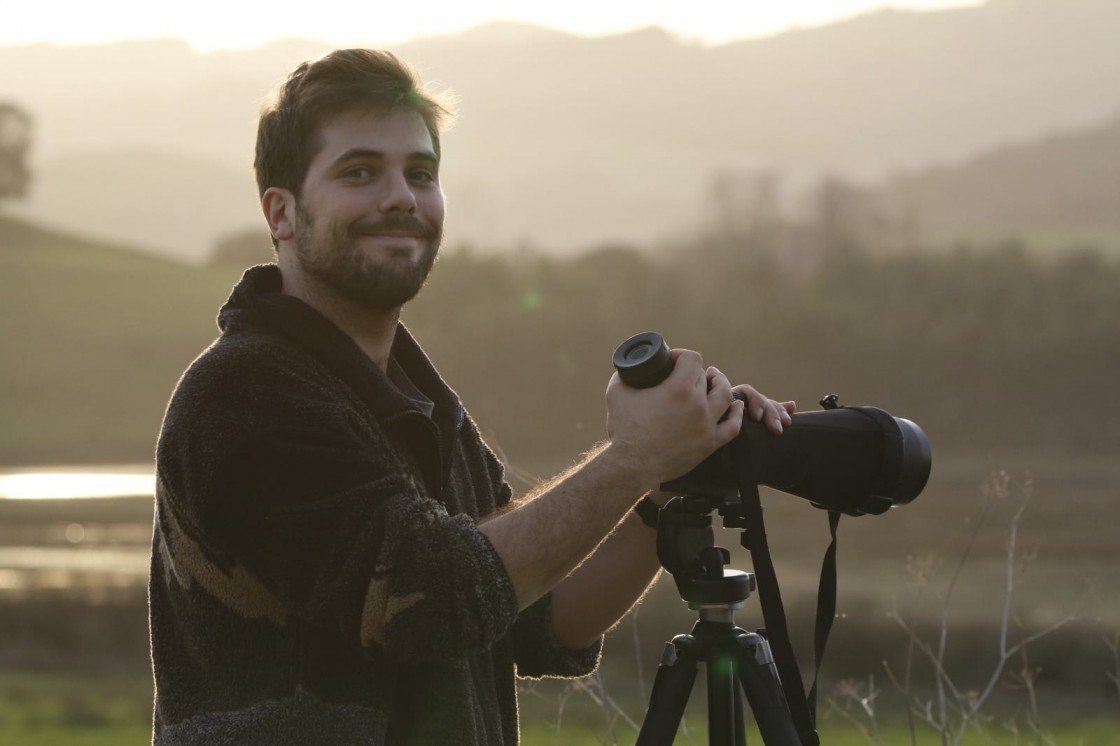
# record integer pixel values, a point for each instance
(731, 655)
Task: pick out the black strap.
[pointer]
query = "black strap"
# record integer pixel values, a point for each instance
(648, 511)
(826, 607)
(773, 612)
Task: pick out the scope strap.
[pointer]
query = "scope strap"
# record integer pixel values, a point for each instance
(773, 612)
(826, 607)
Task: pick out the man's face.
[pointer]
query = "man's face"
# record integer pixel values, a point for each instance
(369, 217)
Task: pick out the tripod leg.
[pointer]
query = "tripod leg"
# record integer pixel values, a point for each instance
(725, 707)
(759, 677)
(671, 689)
(740, 726)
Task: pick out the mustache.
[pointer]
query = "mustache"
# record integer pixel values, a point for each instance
(394, 224)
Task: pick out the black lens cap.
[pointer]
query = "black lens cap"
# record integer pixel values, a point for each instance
(643, 360)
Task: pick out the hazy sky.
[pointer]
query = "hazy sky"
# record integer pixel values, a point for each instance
(216, 24)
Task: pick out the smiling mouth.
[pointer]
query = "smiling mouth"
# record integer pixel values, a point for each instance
(393, 227)
(413, 236)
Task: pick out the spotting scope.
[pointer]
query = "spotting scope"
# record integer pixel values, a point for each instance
(855, 460)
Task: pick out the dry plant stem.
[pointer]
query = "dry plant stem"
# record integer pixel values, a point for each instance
(604, 698)
(1026, 677)
(851, 692)
(601, 697)
(868, 705)
(949, 696)
(1043, 737)
(910, 710)
(1006, 652)
(1029, 676)
(637, 640)
(995, 487)
(855, 722)
(1113, 645)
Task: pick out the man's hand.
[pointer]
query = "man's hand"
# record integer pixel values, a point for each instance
(656, 434)
(656, 423)
(664, 431)
(774, 414)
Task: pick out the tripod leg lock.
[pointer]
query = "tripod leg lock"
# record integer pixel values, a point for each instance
(758, 646)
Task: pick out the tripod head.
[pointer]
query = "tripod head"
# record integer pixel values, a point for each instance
(686, 548)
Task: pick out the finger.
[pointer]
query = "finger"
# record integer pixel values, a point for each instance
(756, 402)
(778, 409)
(688, 365)
(732, 422)
(719, 393)
(773, 414)
(718, 382)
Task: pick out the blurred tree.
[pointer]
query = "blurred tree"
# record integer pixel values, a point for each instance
(15, 141)
(842, 216)
(745, 205)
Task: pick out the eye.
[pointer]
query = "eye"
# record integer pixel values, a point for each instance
(358, 172)
(422, 175)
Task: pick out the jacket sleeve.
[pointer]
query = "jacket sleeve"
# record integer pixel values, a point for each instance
(538, 653)
(287, 494)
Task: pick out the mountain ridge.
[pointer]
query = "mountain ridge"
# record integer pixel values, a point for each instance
(583, 141)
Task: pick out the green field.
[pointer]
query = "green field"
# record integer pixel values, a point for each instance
(59, 710)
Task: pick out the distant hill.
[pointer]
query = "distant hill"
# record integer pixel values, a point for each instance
(566, 142)
(94, 338)
(1064, 182)
(152, 198)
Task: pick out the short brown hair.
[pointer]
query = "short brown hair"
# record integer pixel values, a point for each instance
(342, 81)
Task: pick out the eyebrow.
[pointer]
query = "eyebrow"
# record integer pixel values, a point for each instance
(371, 154)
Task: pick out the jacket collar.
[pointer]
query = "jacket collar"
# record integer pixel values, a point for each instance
(257, 301)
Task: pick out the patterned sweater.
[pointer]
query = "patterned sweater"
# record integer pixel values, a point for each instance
(318, 576)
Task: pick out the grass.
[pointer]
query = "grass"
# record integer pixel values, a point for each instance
(44, 709)
(1095, 733)
(58, 709)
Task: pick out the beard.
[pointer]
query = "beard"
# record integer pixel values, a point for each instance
(337, 262)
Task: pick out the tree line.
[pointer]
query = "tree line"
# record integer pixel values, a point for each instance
(987, 348)
(15, 142)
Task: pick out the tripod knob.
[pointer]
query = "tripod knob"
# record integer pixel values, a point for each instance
(712, 561)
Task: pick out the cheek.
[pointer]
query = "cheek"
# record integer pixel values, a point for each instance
(433, 209)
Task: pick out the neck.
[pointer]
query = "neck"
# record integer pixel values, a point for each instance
(372, 330)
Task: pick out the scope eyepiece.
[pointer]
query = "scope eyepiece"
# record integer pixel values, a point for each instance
(643, 360)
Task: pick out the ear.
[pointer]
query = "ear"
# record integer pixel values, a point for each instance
(279, 207)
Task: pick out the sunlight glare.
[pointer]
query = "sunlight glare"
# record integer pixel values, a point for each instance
(65, 486)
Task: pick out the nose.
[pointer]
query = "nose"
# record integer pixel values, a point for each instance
(398, 195)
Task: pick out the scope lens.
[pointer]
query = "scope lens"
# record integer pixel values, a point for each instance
(639, 351)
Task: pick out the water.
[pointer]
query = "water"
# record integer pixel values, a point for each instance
(76, 483)
(75, 530)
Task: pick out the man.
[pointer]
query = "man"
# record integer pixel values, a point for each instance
(336, 557)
